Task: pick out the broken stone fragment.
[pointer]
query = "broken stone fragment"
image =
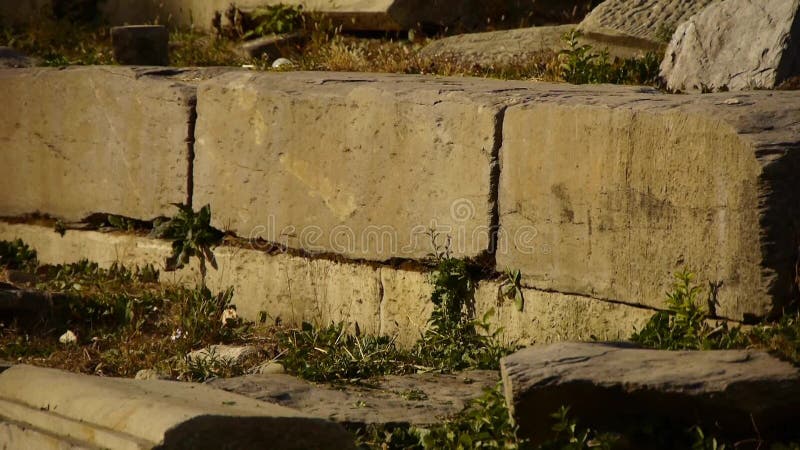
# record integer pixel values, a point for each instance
(619, 387)
(228, 353)
(735, 45)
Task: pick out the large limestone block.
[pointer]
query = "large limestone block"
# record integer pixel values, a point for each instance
(728, 391)
(361, 165)
(736, 44)
(644, 23)
(143, 414)
(608, 194)
(93, 139)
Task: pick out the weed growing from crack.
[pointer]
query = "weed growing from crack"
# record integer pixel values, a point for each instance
(191, 234)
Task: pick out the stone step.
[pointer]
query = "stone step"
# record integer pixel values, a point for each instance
(95, 412)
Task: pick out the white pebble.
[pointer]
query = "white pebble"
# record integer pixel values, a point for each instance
(282, 62)
(68, 338)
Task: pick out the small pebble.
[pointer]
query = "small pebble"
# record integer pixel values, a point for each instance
(282, 62)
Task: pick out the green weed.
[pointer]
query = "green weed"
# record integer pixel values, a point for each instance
(16, 255)
(191, 234)
(684, 325)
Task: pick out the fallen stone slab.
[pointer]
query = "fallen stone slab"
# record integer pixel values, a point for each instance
(116, 143)
(619, 387)
(646, 24)
(609, 192)
(25, 304)
(419, 399)
(132, 414)
(273, 46)
(143, 45)
(736, 45)
(517, 47)
(10, 59)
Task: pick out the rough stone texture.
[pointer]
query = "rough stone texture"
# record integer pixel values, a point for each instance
(513, 47)
(10, 59)
(607, 193)
(644, 23)
(389, 157)
(131, 414)
(292, 289)
(714, 389)
(385, 300)
(15, 435)
(738, 44)
(419, 399)
(150, 374)
(231, 353)
(551, 317)
(93, 139)
(145, 45)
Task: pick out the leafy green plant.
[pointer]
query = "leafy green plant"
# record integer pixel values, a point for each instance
(16, 255)
(486, 423)
(568, 436)
(512, 286)
(277, 19)
(577, 61)
(191, 234)
(581, 64)
(684, 325)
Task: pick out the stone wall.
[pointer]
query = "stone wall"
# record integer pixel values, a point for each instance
(597, 194)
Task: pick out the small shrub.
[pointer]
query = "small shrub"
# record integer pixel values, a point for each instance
(16, 255)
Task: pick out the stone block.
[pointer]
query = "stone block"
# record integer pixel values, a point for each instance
(728, 391)
(86, 140)
(608, 196)
(361, 165)
(648, 24)
(143, 414)
(735, 45)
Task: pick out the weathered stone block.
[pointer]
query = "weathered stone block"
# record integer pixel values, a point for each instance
(359, 165)
(736, 44)
(518, 46)
(144, 45)
(85, 140)
(118, 413)
(647, 24)
(608, 195)
(728, 391)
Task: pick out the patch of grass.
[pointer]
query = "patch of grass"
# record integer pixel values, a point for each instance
(16, 255)
(330, 353)
(124, 320)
